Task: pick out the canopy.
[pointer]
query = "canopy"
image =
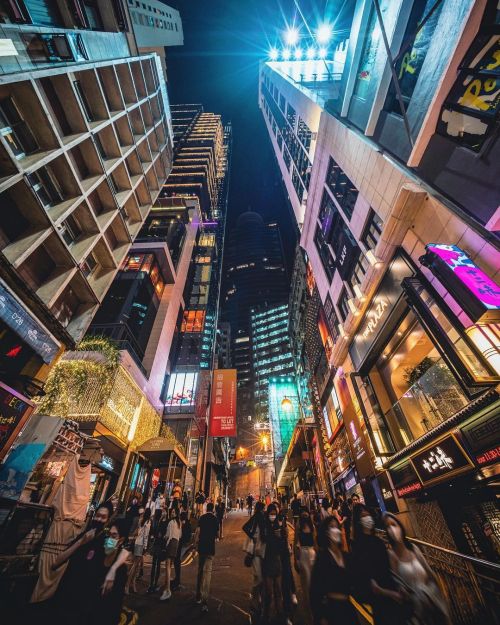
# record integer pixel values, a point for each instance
(159, 449)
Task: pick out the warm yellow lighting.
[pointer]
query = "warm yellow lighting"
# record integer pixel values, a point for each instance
(359, 293)
(487, 339)
(286, 404)
(372, 259)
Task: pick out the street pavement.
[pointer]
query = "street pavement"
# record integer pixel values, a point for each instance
(229, 603)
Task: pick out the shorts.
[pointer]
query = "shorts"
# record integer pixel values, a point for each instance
(172, 548)
(138, 550)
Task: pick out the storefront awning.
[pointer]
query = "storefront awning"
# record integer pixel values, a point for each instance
(159, 449)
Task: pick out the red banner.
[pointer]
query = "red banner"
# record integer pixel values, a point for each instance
(223, 406)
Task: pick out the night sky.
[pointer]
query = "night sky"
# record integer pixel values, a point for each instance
(224, 40)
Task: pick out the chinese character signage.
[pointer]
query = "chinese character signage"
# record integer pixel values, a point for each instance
(441, 460)
(482, 436)
(14, 411)
(23, 324)
(223, 406)
(474, 290)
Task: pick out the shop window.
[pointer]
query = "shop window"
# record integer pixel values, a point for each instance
(414, 386)
(470, 112)
(343, 190)
(372, 230)
(411, 57)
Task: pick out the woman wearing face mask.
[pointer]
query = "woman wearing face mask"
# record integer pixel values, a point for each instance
(330, 579)
(271, 565)
(416, 578)
(81, 586)
(305, 550)
(371, 570)
(159, 552)
(172, 539)
(141, 539)
(111, 600)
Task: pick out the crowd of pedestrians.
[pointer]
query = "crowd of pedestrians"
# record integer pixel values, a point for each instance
(342, 561)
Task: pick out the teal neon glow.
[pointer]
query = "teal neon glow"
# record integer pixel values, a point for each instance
(282, 421)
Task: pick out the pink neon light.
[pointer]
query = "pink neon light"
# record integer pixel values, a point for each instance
(478, 283)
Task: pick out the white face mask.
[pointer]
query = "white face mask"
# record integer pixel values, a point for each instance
(395, 533)
(367, 522)
(272, 518)
(335, 535)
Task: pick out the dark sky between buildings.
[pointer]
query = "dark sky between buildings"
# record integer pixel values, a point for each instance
(224, 41)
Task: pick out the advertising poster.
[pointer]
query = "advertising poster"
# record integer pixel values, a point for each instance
(223, 406)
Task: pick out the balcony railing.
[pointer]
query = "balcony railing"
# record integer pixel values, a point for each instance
(124, 339)
(433, 398)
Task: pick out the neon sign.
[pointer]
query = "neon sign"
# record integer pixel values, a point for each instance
(409, 489)
(470, 286)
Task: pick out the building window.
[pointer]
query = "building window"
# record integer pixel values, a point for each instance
(282, 103)
(371, 43)
(70, 230)
(193, 321)
(46, 187)
(359, 270)
(372, 230)
(343, 305)
(411, 59)
(324, 253)
(84, 103)
(341, 187)
(16, 131)
(331, 317)
(89, 265)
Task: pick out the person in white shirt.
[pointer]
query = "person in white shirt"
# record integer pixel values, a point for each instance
(141, 538)
(172, 538)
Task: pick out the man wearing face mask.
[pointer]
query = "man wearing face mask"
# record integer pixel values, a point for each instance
(371, 570)
(115, 571)
(330, 579)
(81, 585)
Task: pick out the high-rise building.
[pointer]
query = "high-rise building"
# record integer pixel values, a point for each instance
(255, 275)
(271, 353)
(384, 170)
(86, 146)
(199, 140)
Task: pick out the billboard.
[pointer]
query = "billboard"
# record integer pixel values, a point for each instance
(223, 405)
(181, 391)
(284, 412)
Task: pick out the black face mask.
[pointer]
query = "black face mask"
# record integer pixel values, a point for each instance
(98, 526)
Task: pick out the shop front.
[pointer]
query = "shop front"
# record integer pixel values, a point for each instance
(420, 379)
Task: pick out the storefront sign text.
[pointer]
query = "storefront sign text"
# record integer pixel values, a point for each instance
(470, 286)
(409, 489)
(481, 436)
(223, 406)
(23, 324)
(375, 316)
(444, 458)
(489, 456)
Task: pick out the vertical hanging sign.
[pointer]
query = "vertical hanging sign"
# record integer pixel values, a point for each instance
(223, 405)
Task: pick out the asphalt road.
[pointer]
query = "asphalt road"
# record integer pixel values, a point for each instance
(229, 603)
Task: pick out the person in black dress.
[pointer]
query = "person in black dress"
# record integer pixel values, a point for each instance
(111, 599)
(271, 564)
(331, 579)
(371, 569)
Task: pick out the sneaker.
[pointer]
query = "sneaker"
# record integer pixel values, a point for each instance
(165, 595)
(198, 601)
(288, 622)
(295, 601)
(204, 608)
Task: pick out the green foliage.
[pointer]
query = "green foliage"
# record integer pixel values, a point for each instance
(413, 374)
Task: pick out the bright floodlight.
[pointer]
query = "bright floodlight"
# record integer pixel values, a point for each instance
(322, 53)
(292, 36)
(324, 33)
(298, 54)
(311, 52)
(286, 54)
(273, 54)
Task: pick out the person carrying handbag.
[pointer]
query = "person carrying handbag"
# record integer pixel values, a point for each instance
(172, 538)
(255, 549)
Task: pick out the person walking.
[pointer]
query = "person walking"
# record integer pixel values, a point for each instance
(254, 529)
(305, 551)
(271, 564)
(417, 582)
(158, 552)
(172, 539)
(186, 533)
(330, 579)
(199, 501)
(220, 511)
(141, 538)
(289, 591)
(346, 512)
(114, 569)
(295, 507)
(205, 536)
(250, 504)
(374, 582)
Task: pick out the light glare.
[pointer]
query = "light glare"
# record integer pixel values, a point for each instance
(286, 54)
(324, 33)
(298, 54)
(322, 53)
(311, 53)
(273, 54)
(292, 36)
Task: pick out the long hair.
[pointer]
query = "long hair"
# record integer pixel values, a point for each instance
(323, 542)
(406, 542)
(357, 510)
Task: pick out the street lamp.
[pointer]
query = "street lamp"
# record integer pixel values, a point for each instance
(286, 404)
(273, 54)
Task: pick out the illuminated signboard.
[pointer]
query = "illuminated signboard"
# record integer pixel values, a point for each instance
(284, 412)
(405, 480)
(443, 459)
(23, 324)
(474, 290)
(222, 421)
(181, 391)
(481, 436)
